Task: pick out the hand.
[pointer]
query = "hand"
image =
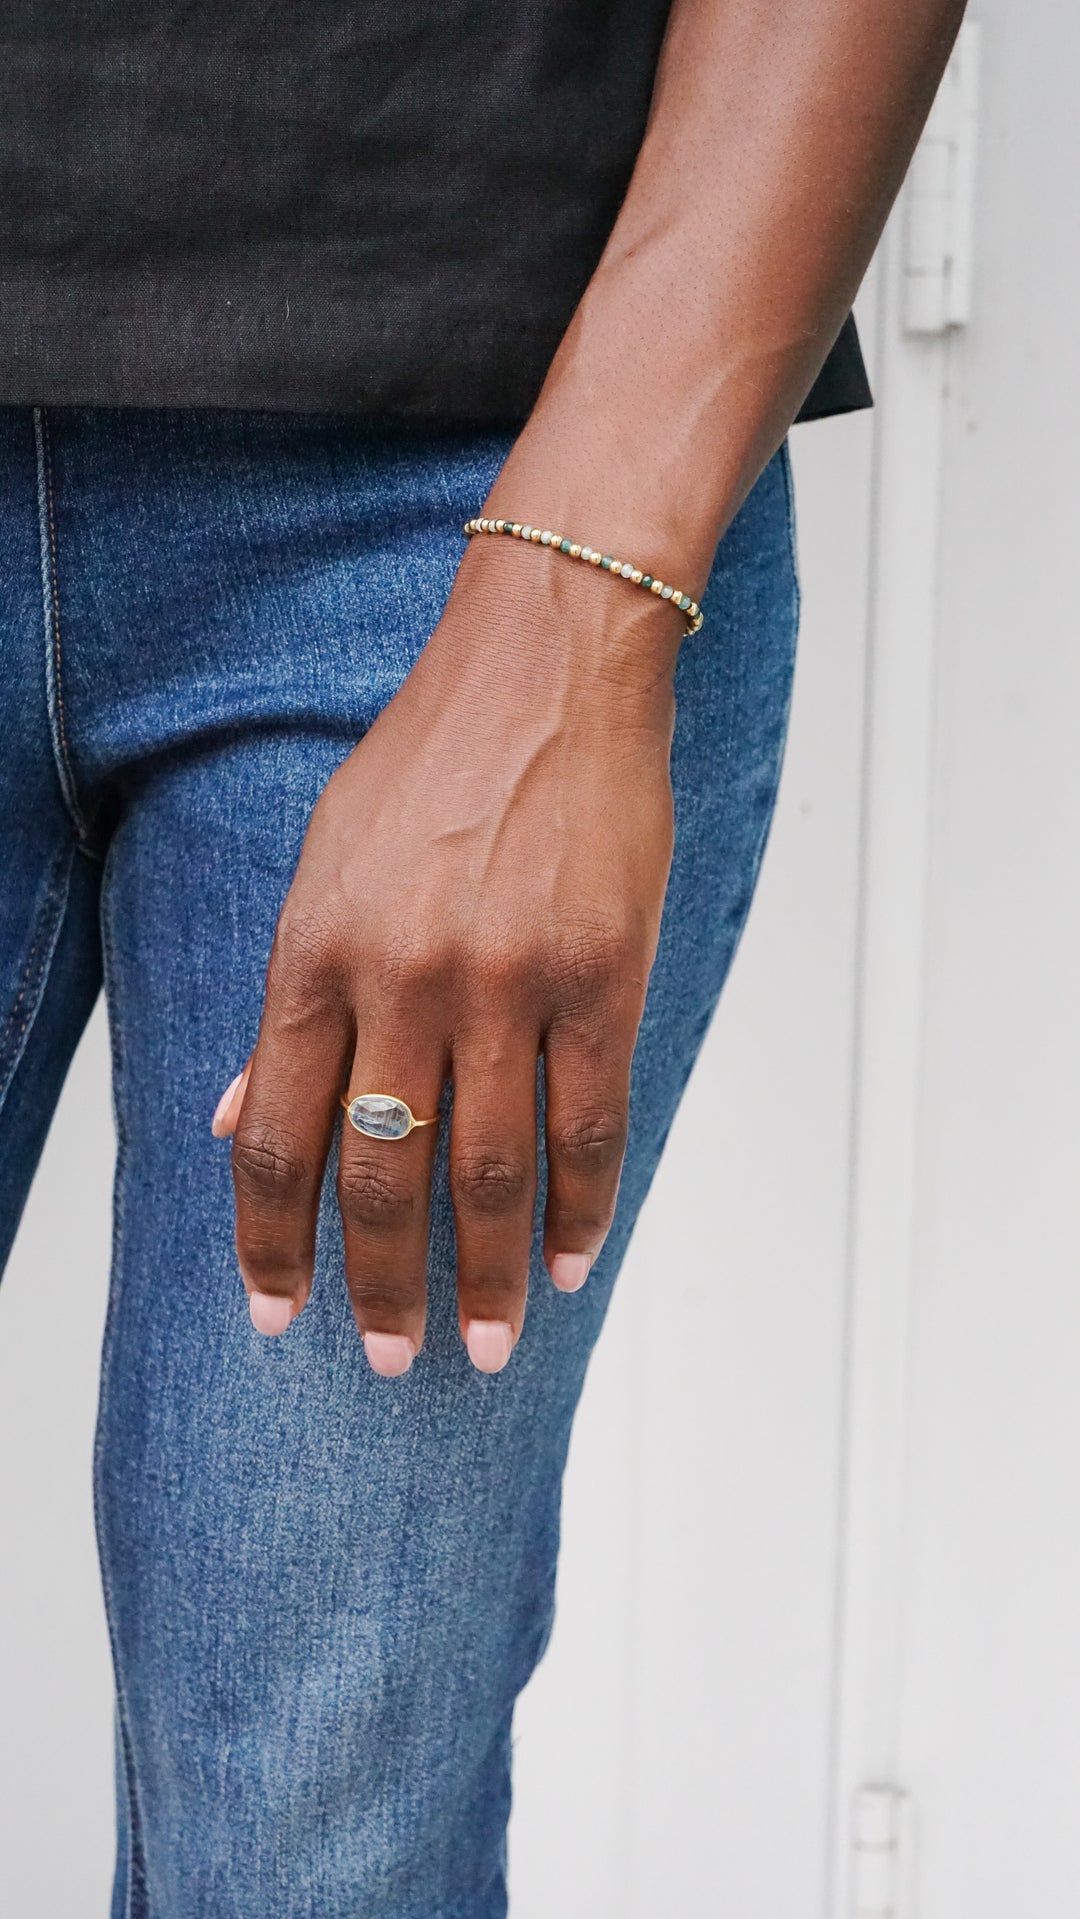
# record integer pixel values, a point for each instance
(481, 883)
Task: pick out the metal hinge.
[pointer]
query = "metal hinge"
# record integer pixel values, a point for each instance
(880, 1840)
(939, 216)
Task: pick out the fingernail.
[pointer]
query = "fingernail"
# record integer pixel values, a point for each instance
(217, 1124)
(270, 1314)
(569, 1271)
(389, 1354)
(489, 1343)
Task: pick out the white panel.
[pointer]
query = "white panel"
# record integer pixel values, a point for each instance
(991, 1735)
(889, 1015)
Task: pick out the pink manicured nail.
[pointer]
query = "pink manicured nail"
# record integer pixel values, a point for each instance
(569, 1271)
(389, 1354)
(489, 1343)
(217, 1124)
(270, 1314)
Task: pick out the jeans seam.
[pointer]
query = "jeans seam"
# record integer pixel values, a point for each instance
(138, 1901)
(35, 975)
(792, 531)
(50, 597)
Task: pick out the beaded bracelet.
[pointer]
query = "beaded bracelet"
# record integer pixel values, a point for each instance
(545, 537)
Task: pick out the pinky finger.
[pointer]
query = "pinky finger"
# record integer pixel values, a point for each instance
(588, 1086)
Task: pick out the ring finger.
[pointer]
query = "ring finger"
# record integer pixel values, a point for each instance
(493, 1186)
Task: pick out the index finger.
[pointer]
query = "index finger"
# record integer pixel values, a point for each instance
(280, 1146)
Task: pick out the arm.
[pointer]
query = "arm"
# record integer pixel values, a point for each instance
(483, 878)
(779, 135)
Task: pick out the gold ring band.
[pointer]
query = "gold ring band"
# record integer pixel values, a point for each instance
(382, 1115)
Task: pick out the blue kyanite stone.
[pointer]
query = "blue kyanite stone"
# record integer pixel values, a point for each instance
(380, 1116)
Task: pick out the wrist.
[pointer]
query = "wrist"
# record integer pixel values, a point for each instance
(490, 526)
(566, 621)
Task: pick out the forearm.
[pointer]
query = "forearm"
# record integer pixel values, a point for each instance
(779, 134)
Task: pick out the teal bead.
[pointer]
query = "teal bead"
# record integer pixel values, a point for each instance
(564, 546)
(685, 602)
(646, 579)
(606, 561)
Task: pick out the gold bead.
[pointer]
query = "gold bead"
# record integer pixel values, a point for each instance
(637, 576)
(595, 557)
(657, 586)
(575, 549)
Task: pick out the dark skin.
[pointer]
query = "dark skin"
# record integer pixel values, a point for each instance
(483, 878)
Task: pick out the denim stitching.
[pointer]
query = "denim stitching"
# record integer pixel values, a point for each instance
(39, 960)
(769, 799)
(792, 533)
(138, 1899)
(50, 593)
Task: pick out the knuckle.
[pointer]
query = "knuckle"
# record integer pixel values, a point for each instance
(590, 1144)
(408, 968)
(269, 1166)
(487, 1182)
(307, 944)
(587, 1225)
(500, 973)
(490, 1293)
(383, 1299)
(373, 1198)
(587, 964)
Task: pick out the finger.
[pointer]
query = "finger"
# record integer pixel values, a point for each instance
(227, 1110)
(587, 1082)
(493, 1186)
(384, 1189)
(284, 1126)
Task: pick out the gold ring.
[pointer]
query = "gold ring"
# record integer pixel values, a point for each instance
(382, 1115)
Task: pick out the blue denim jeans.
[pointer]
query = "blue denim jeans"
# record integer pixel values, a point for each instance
(324, 1589)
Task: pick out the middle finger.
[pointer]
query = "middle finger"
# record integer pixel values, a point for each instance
(384, 1188)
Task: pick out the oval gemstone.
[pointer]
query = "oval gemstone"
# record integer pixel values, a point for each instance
(380, 1115)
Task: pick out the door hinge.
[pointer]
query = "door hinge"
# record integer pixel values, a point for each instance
(880, 1842)
(939, 195)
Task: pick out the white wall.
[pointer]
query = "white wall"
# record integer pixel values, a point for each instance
(990, 1698)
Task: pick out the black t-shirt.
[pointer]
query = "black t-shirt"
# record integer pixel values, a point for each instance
(388, 207)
